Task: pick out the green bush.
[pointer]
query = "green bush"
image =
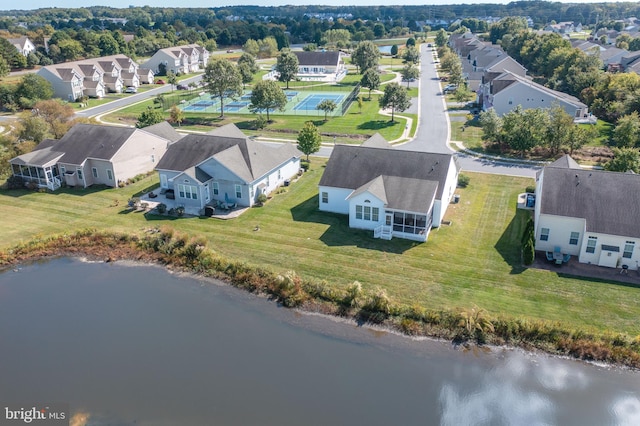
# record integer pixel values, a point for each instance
(531, 189)
(304, 165)
(162, 208)
(463, 180)
(262, 198)
(528, 252)
(260, 122)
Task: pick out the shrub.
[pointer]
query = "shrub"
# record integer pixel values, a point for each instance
(15, 182)
(528, 252)
(162, 208)
(463, 181)
(304, 165)
(530, 188)
(262, 198)
(354, 295)
(260, 122)
(134, 202)
(180, 211)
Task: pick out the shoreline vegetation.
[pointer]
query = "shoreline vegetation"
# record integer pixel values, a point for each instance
(183, 253)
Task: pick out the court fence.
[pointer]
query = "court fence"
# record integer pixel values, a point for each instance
(347, 102)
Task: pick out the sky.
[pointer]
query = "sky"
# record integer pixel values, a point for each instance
(37, 4)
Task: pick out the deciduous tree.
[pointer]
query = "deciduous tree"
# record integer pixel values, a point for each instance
(396, 98)
(149, 117)
(411, 55)
(627, 132)
(624, 160)
(409, 73)
(309, 140)
(327, 106)
(266, 96)
(371, 80)
(366, 55)
(287, 67)
(222, 80)
(176, 115)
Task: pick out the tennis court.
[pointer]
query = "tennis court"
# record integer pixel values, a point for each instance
(207, 104)
(311, 102)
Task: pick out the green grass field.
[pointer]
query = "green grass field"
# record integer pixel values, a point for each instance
(473, 261)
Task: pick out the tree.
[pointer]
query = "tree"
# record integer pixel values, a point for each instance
(149, 117)
(4, 67)
(172, 79)
(176, 114)
(108, 45)
(581, 135)
(309, 140)
(327, 106)
(359, 100)
(508, 25)
(371, 80)
(32, 128)
(396, 98)
(366, 55)
(33, 88)
(441, 38)
(267, 47)
(491, 124)
(251, 47)
(287, 67)
(58, 115)
(159, 100)
(560, 129)
(394, 50)
(524, 129)
(337, 37)
(245, 73)
(411, 55)
(267, 95)
(411, 42)
(409, 73)
(222, 80)
(250, 61)
(624, 160)
(627, 132)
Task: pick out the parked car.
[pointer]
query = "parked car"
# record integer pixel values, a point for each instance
(449, 88)
(159, 81)
(130, 89)
(182, 87)
(230, 51)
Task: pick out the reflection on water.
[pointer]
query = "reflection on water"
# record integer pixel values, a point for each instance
(137, 345)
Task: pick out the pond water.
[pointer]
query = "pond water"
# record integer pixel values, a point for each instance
(385, 49)
(125, 345)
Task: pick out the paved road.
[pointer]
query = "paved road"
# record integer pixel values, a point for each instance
(433, 133)
(131, 99)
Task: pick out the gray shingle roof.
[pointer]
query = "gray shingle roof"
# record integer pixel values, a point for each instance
(92, 141)
(353, 166)
(608, 201)
(398, 193)
(164, 130)
(318, 58)
(247, 158)
(376, 141)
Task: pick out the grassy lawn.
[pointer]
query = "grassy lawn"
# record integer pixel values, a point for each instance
(604, 130)
(353, 127)
(474, 261)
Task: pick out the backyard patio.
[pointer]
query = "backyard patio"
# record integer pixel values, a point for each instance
(577, 269)
(215, 209)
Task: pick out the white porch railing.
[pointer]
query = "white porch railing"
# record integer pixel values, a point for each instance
(54, 184)
(383, 231)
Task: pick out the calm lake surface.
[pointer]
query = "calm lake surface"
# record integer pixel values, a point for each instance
(127, 345)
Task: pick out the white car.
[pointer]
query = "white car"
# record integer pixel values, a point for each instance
(131, 89)
(449, 88)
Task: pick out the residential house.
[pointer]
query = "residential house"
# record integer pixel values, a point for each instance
(493, 70)
(564, 27)
(589, 214)
(321, 66)
(179, 59)
(395, 193)
(23, 45)
(90, 154)
(224, 167)
(509, 90)
(91, 77)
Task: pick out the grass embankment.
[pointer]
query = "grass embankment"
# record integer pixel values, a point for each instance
(474, 261)
(432, 288)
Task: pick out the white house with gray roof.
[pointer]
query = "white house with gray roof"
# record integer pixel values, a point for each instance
(90, 154)
(509, 90)
(224, 167)
(179, 59)
(589, 214)
(395, 193)
(320, 66)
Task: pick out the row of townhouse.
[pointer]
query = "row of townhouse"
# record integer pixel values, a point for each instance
(178, 60)
(501, 83)
(95, 77)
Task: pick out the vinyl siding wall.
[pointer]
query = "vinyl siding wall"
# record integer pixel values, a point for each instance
(135, 156)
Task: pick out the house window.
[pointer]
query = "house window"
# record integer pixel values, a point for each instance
(94, 172)
(238, 191)
(591, 244)
(367, 212)
(188, 191)
(80, 176)
(375, 214)
(62, 170)
(109, 174)
(358, 212)
(544, 234)
(628, 249)
(573, 240)
(325, 197)
(216, 188)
